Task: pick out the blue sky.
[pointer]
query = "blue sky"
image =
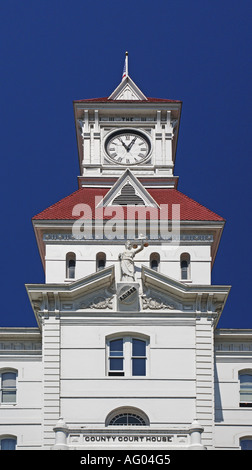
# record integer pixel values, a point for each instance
(53, 52)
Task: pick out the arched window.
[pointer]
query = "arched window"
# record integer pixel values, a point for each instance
(154, 261)
(245, 378)
(185, 266)
(8, 443)
(8, 386)
(70, 265)
(100, 261)
(127, 419)
(127, 416)
(246, 443)
(127, 356)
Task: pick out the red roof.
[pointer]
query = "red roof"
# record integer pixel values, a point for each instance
(63, 210)
(148, 100)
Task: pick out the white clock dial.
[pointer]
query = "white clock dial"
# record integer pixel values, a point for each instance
(127, 147)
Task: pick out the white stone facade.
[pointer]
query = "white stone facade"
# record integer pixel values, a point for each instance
(62, 384)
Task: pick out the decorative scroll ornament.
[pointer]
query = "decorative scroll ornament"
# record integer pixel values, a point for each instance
(37, 306)
(99, 302)
(218, 307)
(155, 303)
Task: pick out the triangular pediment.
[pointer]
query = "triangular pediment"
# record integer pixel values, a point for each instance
(127, 90)
(92, 291)
(128, 191)
(166, 292)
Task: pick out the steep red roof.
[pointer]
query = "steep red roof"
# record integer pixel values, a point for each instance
(63, 210)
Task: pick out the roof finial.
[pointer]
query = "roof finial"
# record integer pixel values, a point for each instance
(125, 68)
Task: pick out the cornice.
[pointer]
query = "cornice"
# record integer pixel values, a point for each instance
(230, 334)
(21, 333)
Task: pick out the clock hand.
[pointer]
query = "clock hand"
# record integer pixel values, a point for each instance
(131, 144)
(125, 146)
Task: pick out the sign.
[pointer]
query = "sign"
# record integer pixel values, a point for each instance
(127, 296)
(135, 439)
(127, 293)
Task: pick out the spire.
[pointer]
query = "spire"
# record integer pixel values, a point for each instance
(125, 68)
(127, 89)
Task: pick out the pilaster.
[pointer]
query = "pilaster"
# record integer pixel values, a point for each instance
(205, 378)
(51, 378)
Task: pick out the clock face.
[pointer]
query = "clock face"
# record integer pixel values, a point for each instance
(127, 147)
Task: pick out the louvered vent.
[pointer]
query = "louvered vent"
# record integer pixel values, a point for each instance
(128, 196)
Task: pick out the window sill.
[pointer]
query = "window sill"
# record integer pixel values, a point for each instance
(7, 405)
(133, 377)
(186, 281)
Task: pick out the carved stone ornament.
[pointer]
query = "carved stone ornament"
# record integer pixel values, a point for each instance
(218, 307)
(99, 302)
(37, 306)
(155, 303)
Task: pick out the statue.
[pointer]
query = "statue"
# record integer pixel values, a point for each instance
(127, 263)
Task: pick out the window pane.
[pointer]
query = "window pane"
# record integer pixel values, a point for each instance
(138, 367)
(184, 269)
(116, 364)
(120, 420)
(71, 268)
(246, 381)
(133, 419)
(154, 264)
(246, 396)
(8, 397)
(9, 380)
(139, 347)
(116, 347)
(101, 263)
(184, 274)
(246, 444)
(246, 388)
(8, 444)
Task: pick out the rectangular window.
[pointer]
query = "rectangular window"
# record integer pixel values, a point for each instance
(246, 444)
(116, 359)
(138, 357)
(184, 270)
(127, 357)
(246, 390)
(8, 444)
(8, 387)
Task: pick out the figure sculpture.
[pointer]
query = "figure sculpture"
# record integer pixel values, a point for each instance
(127, 263)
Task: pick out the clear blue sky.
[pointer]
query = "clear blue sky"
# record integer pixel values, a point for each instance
(53, 52)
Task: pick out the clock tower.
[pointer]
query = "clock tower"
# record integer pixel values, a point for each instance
(127, 130)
